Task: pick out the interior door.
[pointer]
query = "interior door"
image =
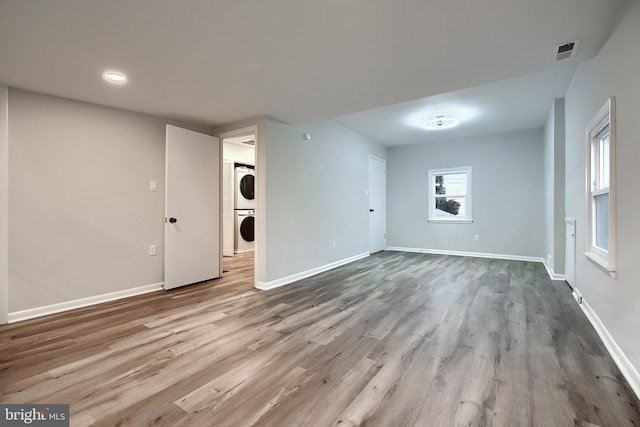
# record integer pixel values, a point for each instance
(192, 208)
(377, 205)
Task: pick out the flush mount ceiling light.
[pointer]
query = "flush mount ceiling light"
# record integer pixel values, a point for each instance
(114, 77)
(441, 121)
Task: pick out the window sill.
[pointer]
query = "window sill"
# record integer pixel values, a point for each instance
(451, 221)
(601, 263)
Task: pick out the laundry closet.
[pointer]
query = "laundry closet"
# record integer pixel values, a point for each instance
(238, 194)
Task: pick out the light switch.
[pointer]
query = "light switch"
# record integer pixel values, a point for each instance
(153, 185)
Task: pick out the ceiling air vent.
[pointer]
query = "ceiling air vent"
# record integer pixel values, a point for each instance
(566, 50)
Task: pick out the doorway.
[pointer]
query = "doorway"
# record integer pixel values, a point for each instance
(239, 199)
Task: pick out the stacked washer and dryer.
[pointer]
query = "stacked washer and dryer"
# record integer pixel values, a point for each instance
(244, 209)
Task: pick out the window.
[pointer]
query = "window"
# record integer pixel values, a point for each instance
(450, 195)
(601, 187)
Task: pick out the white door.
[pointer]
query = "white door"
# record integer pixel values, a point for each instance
(570, 251)
(377, 205)
(192, 208)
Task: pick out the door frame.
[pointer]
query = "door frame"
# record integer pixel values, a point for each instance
(260, 224)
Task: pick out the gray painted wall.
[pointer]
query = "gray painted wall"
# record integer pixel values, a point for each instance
(81, 216)
(4, 204)
(614, 72)
(554, 146)
(508, 194)
(315, 196)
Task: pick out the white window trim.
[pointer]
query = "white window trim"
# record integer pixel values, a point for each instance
(468, 218)
(605, 260)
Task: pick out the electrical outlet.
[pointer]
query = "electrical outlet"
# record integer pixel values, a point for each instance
(476, 238)
(152, 250)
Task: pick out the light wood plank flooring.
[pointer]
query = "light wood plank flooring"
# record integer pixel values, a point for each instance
(396, 339)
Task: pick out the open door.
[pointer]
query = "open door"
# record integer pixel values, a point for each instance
(192, 208)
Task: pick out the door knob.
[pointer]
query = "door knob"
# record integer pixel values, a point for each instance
(370, 210)
(173, 220)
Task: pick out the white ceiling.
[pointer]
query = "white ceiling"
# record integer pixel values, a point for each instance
(513, 104)
(218, 61)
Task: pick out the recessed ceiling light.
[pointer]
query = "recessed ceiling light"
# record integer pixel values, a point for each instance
(441, 121)
(114, 77)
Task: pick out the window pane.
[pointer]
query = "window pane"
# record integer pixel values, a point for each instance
(604, 162)
(601, 221)
(454, 206)
(439, 187)
(452, 183)
(593, 166)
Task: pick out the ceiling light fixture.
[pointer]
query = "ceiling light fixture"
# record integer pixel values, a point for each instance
(114, 77)
(441, 121)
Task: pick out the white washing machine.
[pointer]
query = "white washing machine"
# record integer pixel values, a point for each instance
(245, 230)
(245, 191)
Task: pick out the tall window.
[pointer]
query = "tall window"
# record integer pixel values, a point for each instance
(601, 187)
(450, 195)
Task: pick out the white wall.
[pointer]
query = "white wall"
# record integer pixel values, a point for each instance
(239, 153)
(508, 195)
(81, 216)
(614, 72)
(554, 146)
(315, 196)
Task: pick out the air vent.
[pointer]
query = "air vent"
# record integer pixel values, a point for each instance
(566, 50)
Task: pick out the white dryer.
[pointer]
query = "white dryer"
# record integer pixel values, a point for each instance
(244, 189)
(245, 230)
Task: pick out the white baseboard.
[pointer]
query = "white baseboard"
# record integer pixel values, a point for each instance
(83, 302)
(469, 254)
(624, 364)
(577, 295)
(552, 274)
(299, 276)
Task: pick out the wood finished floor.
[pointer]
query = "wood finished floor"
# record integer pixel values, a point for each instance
(396, 339)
